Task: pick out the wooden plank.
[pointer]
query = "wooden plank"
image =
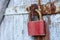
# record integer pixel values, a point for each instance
(3, 6)
(7, 29)
(14, 27)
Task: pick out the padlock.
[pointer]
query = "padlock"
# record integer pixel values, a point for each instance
(36, 28)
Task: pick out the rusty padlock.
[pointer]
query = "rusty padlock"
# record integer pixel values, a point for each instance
(36, 28)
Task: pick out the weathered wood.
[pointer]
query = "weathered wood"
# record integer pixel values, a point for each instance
(14, 27)
(3, 6)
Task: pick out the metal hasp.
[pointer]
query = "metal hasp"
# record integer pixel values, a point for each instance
(48, 8)
(36, 25)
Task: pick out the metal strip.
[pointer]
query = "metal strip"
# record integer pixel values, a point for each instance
(16, 14)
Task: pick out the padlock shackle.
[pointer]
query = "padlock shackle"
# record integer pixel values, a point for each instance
(39, 13)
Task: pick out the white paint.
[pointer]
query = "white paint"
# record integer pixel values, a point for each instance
(14, 27)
